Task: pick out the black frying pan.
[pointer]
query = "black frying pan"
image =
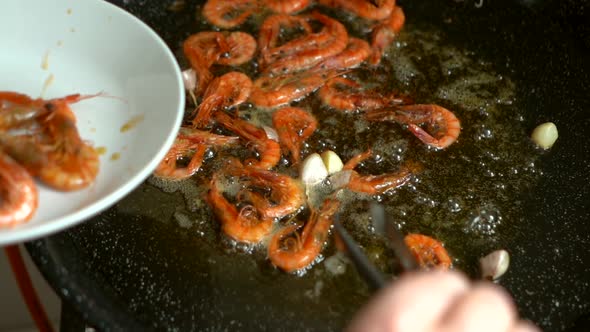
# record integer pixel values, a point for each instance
(123, 271)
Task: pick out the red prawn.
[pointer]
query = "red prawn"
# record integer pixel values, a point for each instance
(293, 125)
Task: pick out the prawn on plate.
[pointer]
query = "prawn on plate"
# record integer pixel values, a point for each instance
(72, 162)
(18, 110)
(39, 138)
(26, 150)
(51, 147)
(18, 193)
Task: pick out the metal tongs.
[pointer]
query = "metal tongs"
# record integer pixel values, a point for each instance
(385, 226)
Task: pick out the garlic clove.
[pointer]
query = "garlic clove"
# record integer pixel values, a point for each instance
(189, 78)
(271, 133)
(494, 265)
(313, 169)
(545, 135)
(332, 161)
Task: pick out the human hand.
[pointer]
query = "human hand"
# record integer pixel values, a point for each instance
(440, 301)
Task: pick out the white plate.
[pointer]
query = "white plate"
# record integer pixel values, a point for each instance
(91, 46)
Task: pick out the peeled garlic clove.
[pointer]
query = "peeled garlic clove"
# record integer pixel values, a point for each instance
(545, 135)
(332, 161)
(494, 265)
(271, 133)
(189, 78)
(313, 169)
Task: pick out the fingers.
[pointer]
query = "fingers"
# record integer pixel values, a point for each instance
(525, 326)
(416, 302)
(486, 308)
(440, 302)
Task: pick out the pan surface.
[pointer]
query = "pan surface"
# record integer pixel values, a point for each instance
(134, 267)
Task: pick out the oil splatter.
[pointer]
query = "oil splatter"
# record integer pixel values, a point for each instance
(115, 156)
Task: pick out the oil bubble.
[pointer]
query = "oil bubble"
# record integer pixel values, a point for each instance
(454, 204)
(483, 221)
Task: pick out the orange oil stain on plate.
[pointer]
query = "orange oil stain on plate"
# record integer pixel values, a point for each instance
(132, 123)
(48, 81)
(45, 61)
(101, 150)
